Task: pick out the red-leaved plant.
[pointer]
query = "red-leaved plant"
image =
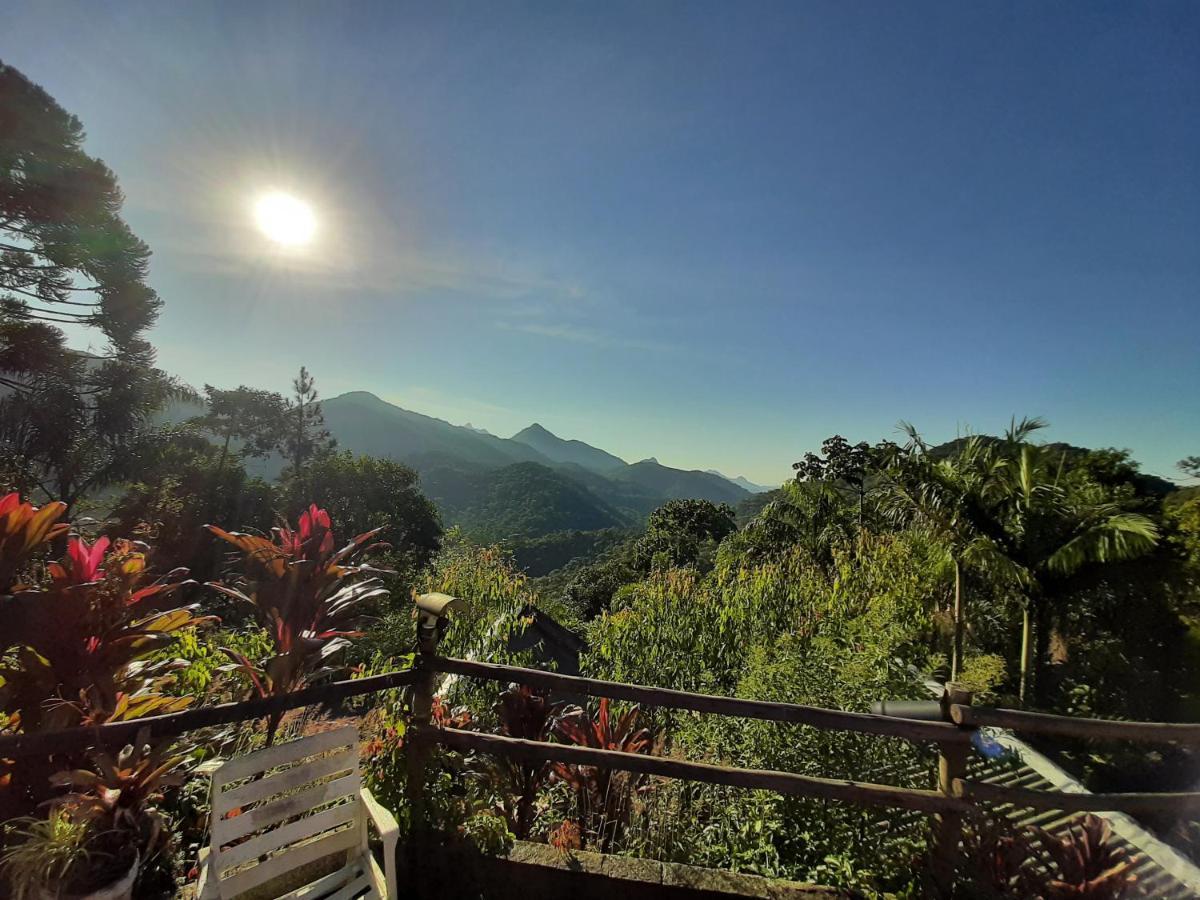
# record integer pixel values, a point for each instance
(25, 531)
(604, 796)
(306, 594)
(80, 643)
(528, 714)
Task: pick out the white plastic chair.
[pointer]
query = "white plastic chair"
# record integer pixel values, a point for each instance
(269, 821)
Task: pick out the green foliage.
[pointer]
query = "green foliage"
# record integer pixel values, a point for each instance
(254, 419)
(549, 553)
(71, 422)
(488, 833)
(494, 591)
(45, 853)
(362, 493)
(790, 630)
(209, 673)
(519, 501)
(684, 533)
(181, 487)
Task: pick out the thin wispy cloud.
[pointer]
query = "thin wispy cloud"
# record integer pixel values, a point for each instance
(583, 335)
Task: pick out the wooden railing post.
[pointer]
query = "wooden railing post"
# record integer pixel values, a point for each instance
(432, 622)
(952, 764)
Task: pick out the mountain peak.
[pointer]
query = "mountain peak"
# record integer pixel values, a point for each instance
(360, 397)
(564, 451)
(534, 430)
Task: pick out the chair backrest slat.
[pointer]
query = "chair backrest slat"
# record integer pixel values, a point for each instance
(226, 830)
(273, 867)
(281, 754)
(291, 779)
(270, 841)
(281, 808)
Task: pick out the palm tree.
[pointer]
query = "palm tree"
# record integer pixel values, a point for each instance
(956, 500)
(1051, 532)
(1004, 506)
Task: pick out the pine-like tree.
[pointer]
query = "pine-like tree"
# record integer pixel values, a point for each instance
(69, 421)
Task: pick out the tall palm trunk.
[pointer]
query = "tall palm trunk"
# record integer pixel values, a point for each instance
(956, 656)
(1026, 647)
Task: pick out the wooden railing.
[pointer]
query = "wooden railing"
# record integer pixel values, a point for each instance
(955, 796)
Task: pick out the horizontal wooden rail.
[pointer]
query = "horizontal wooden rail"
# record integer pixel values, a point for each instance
(117, 734)
(912, 729)
(862, 794)
(1070, 802)
(1069, 726)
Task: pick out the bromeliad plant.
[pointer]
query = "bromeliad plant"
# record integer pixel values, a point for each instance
(605, 797)
(1089, 864)
(306, 594)
(99, 832)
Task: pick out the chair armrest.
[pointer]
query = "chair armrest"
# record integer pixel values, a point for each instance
(389, 831)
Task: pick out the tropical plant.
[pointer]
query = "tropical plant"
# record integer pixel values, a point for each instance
(1087, 864)
(119, 795)
(306, 595)
(528, 714)
(80, 644)
(108, 822)
(46, 852)
(1052, 530)
(604, 796)
(25, 532)
(955, 499)
(998, 862)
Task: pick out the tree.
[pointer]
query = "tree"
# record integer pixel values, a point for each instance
(181, 487)
(955, 499)
(1052, 530)
(256, 419)
(306, 437)
(1190, 466)
(809, 514)
(73, 420)
(66, 257)
(684, 533)
(845, 464)
(363, 493)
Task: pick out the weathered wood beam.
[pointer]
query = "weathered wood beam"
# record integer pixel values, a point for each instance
(1070, 726)
(830, 719)
(859, 793)
(117, 734)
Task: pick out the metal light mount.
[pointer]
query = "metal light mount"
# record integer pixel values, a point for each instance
(433, 612)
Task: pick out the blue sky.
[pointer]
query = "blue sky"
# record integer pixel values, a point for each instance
(711, 232)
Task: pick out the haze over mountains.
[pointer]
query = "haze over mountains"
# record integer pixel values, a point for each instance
(530, 484)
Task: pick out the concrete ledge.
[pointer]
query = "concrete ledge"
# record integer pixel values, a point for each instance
(532, 871)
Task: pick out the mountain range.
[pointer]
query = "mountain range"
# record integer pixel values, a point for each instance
(531, 484)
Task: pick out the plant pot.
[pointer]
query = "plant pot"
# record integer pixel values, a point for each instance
(121, 889)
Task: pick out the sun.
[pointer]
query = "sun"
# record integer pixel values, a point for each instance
(285, 219)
